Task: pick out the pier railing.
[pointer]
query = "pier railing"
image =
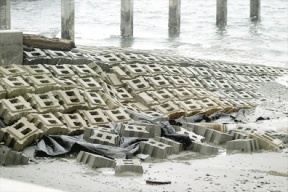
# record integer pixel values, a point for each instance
(126, 26)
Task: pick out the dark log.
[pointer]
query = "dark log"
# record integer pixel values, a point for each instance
(38, 41)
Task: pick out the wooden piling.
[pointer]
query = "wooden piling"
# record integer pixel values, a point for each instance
(174, 18)
(68, 19)
(255, 10)
(126, 26)
(221, 13)
(5, 16)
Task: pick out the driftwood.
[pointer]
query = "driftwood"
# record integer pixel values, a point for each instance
(38, 41)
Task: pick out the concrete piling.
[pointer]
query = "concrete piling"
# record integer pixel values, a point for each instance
(255, 10)
(5, 17)
(221, 13)
(126, 26)
(68, 19)
(174, 18)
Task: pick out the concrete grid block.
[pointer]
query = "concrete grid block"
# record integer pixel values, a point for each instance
(11, 47)
(113, 80)
(12, 70)
(194, 82)
(35, 56)
(89, 83)
(123, 95)
(191, 107)
(203, 148)
(145, 98)
(118, 115)
(3, 92)
(48, 123)
(36, 69)
(60, 70)
(170, 109)
(267, 141)
(121, 74)
(193, 136)
(66, 84)
(127, 130)
(42, 83)
(128, 165)
(182, 93)
(94, 100)
(162, 95)
(137, 85)
(158, 82)
(95, 117)
(148, 57)
(209, 106)
(20, 135)
(177, 147)
(95, 161)
(243, 145)
(10, 157)
(78, 57)
(172, 70)
(74, 122)
(15, 108)
(134, 70)
(58, 57)
(83, 71)
(99, 137)
(16, 86)
(210, 84)
(155, 69)
(155, 149)
(178, 81)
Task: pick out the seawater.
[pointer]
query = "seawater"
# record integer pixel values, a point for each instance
(98, 24)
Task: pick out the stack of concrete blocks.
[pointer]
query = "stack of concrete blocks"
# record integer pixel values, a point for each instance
(71, 100)
(118, 115)
(95, 117)
(16, 86)
(74, 122)
(20, 134)
(128, 165)
(35, 56)
(11, 47)
(95, 161)
(243, 145)
(48, 123)
(203, 148)
(44, 103)
(42, 83)
(176, 146)
(267, 141)
(13, 109)
(99, 137)
(127, 130)
(155, 149)
(10, 157)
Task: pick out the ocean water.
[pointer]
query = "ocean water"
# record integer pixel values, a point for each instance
(98, 24)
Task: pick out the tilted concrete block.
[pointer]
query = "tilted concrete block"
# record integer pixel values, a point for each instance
(71, 100)
(226, 106)
(3, 92)
(128, 165)
(148, 57)
(177, 147)
(200, 93)
(172, 70)
(58, 57)
(113, 80)
(66, 84)
(20, 135)
(178, 81)
(112, 103)
(158, 82)
(149, 115)
(129, 56)
(78, 57)
(15, 108)
(108, 89)
(209, 106)
(239, 103)
(35, 56)
(12, 70)
(146, 99)
(95, 117)
(194, 82)
(224, 84)
(203, 148)
(10, 157)
(127, 130)
(203, 72)
(182, 93)
(84, 71)
(162, 95)
(170, 109)
(155, 69)
(167, 59)
(267, 141)
(192, 136)
(16, 86)
(42, 83)
(123, 96)
(118, 115)
(243, 145)
(121, 74)
(89, 83)
(94, 100)
(61, 70)
(191, 107)
(44, 103)
(219, 75)
(134, 70)
(100, 137)
(137, 85)
(48, 123)
(95, 161)
(74, 122)
(155, 149)
(137, 106)
(101, 128)
(186, 72)
(36, 69)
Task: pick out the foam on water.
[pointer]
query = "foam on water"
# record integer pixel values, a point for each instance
(98, 24)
